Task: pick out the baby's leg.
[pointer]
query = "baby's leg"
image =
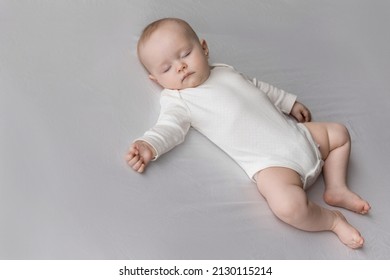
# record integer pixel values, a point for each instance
(282, 188)
(335, 148)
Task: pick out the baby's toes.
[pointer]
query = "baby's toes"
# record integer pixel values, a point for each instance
(365, 208)
(357, 242)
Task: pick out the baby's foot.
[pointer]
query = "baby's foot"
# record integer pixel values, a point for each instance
(345, 198)
(347, 233)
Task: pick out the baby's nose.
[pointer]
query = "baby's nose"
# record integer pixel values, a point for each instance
(182, 66)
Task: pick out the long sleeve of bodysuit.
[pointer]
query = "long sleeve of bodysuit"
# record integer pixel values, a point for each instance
(280, 98)
(171, 127)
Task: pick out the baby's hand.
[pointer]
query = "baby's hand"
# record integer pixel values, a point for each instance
(139, 155)
(300, 112)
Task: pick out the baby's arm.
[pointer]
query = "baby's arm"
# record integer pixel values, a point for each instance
(280, 98)
(169, 131)
(284, 101)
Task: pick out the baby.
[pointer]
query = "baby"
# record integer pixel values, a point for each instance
(248, 119)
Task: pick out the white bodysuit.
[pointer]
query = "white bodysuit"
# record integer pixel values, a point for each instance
(244, 118)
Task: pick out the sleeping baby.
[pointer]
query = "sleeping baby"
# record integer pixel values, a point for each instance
(262, 128)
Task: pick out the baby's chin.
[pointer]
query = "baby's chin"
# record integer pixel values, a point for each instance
(194, 81)
(187, 84)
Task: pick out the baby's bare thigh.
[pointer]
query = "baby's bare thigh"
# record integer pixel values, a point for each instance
(328, 135)
(319, 132)
(272, 177)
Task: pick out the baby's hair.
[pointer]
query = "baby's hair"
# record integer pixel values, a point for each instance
(150, 28)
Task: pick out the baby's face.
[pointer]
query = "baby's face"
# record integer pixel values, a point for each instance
(174, 59)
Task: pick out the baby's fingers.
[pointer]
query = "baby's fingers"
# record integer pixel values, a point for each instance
(307, 115)
(137, 164)
(129, 156)
(142, 168)
(131, 159)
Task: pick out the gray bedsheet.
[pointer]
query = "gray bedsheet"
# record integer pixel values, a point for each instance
(73, 96)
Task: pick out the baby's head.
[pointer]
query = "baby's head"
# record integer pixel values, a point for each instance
(173, 55)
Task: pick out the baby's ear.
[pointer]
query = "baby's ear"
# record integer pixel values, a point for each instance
(153, 78)
(205, 48)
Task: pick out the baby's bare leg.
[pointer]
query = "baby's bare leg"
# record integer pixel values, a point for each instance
(335, 146)
(282, 188)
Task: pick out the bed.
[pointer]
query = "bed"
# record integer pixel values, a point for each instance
(73, 96)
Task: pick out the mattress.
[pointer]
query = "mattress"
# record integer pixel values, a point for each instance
(73, 96)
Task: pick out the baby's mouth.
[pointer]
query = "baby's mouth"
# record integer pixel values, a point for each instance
(186, 75)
